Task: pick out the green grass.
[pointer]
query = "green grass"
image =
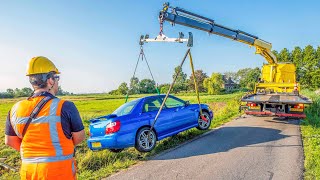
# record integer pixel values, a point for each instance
(95, 165)
(310, 129)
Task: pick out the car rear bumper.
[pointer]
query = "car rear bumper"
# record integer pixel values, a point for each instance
(103, 142)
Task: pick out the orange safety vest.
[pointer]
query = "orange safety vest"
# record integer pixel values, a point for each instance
(46, 152)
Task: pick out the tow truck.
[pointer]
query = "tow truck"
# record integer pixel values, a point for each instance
(277, 92)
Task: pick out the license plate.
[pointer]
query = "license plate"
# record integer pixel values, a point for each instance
(255, 107)
(296, 109)
(96, 144)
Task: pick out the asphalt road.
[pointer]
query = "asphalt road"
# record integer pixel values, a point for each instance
(246, 148)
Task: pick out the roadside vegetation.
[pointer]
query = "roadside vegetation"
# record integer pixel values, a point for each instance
(96, 165)
(310, 129)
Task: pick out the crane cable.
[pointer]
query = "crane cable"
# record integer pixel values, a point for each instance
(171, 86)
(142, 56)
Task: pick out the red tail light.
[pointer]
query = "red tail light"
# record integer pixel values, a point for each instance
(251, 104)
(113, 127)
(299, 106)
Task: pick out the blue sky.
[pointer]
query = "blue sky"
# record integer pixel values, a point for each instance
(95, 43)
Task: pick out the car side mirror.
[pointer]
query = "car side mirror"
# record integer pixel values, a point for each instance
(187, 103)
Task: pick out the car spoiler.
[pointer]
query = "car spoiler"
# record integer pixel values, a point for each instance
(101, 118)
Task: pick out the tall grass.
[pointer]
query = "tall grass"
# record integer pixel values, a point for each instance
(310, 129)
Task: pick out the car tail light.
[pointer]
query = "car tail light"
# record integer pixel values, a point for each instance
(252, 104)
(113, 127)
(299, 106)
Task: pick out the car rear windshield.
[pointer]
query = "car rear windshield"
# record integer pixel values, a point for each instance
(125, 108)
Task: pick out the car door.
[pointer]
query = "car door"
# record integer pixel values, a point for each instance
(182, 116)
(150, 109)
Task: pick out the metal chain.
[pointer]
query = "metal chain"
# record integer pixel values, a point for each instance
(161, 24)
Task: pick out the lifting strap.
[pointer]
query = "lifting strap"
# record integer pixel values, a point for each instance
(142, 56)
(35, 112)
(195, 85)
(171, 86)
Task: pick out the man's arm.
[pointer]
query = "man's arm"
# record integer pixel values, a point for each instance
(73, 124)
(13, 141)
(78, 137)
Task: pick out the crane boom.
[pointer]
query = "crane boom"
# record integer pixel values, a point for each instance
(189, 19)
(276, 93)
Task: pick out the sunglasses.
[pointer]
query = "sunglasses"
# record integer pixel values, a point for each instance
(57, 78)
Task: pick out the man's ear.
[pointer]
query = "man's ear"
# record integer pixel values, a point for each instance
(50, 81)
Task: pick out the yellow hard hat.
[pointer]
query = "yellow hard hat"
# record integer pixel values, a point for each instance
(40, 65)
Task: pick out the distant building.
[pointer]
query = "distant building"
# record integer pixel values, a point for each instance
(228, 84)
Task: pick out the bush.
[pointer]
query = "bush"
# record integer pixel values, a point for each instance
(313, 113)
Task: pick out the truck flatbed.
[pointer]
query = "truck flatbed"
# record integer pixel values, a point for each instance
(276, 98)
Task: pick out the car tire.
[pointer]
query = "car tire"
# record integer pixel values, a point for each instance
(202, 124)
(115, 150)
(142, 142)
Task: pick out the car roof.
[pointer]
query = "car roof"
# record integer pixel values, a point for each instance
(151, 96)
(157, 95)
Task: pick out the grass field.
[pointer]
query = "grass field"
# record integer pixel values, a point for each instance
(95, 165)
(310, 129)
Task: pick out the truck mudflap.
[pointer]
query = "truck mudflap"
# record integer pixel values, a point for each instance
(275, 114)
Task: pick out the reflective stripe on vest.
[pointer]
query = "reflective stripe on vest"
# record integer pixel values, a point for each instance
(46, 159)
(44, 140)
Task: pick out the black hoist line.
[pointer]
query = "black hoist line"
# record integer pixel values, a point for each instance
(143, 57)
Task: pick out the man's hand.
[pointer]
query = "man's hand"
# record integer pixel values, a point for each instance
(13, 141)
(78, 137)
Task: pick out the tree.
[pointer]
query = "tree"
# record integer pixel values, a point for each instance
(309, 66)
(284, 56)
(242, 74)
(181, 83)
(147, 86)
(164, 88)
(213, 84)
(123, 89)
(10, 92)
(134, 85)
(62, 92)
(276, 53)
(18, 93)
(297, 58)
(200, 76)
(26, 91)
(318, 57)
(251, 78)
(315, 78)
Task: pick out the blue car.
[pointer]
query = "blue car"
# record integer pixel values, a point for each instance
(130, 124)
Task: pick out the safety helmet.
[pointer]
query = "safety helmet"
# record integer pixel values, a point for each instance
(41, 65)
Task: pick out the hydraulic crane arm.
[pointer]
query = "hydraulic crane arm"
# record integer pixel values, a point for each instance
(189, 19)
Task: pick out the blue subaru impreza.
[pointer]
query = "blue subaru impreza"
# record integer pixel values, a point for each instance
(130, 124)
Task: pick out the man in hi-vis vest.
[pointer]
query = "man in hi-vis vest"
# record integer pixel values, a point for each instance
(44, 128)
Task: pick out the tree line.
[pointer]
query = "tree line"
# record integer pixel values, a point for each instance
(25, 92)
(307, 61)
(244, 78)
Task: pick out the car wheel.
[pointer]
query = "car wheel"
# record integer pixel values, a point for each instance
(143, 142)
(204, 124)
(116, 150)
